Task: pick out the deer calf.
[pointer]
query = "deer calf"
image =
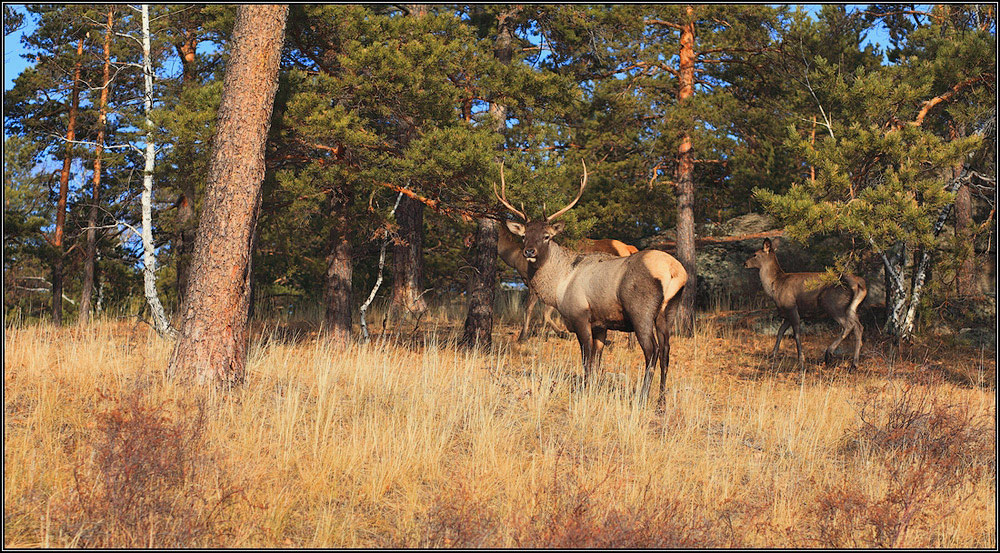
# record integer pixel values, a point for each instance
(806, 292)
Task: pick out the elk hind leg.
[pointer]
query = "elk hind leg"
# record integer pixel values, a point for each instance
(848, 325)
(645, 334)
(858, 331)
(663, 323)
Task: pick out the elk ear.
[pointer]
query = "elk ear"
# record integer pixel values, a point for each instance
(767, 246)
(515, 227)
(557, 227)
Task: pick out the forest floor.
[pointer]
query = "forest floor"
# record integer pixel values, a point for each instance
(409, 441)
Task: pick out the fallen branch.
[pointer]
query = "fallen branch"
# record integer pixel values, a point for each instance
(722, 239)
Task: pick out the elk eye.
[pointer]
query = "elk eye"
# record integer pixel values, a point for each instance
(546, 237)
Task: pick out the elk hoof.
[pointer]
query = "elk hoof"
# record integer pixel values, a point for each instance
(852, 367)
(661, 405)
(827, 358)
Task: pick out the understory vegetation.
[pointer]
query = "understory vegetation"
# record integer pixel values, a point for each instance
(409, 441)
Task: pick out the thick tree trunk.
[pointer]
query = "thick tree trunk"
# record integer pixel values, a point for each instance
(186, 223)
(408, 258)
(965, 277)
(483, 280)
(407, 250)
(685, 184)
(89, 260)
(58, 263)
(337, 290)
(479, 321)
(214, 332)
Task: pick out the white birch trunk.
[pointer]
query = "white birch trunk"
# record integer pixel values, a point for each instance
(901, 306)
(160, 322)
(378, 281)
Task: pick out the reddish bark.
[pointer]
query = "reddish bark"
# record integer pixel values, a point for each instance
(214, 327)
(338, 289)
(89, 265)
(685, 182)
(186, 50)
(57, 265)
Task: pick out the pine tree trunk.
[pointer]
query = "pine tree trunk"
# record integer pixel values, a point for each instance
(214, 333)
(479, 321)
(58, 263)
(89, 260)
(483, 280)
(186, 223)
(685, 184)
(338, 291)
(408, 258)
(965, 278)
(408, 250)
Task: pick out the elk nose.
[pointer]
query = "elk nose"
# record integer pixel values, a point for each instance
(529, 252)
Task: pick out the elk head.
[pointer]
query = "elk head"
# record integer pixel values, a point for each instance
(537, 233)
(761, 256)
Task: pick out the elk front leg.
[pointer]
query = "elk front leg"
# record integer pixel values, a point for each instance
(797, 330)
(585, 336)
(777, 343)
(600, 338)
(532, 300)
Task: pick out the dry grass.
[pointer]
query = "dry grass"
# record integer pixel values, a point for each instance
(409, 441)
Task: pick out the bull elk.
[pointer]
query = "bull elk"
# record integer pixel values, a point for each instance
(795, 293)
(598, 292)
(509, 249)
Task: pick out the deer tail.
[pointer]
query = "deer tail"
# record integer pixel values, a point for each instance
(860, 290)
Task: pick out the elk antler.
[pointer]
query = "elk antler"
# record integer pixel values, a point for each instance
(503, 195)
(583, 184)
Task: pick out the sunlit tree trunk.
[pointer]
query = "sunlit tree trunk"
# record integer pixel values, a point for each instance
(408, 258)
(157, 313)
(89, 260)
(214, 326)
(685, 183)
(407, 251)
(60, 230)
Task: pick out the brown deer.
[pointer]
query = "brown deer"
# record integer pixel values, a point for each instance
(597, 292)
(807, 293)
(509, 249)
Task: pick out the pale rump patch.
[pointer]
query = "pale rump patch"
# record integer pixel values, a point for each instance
(665, 268)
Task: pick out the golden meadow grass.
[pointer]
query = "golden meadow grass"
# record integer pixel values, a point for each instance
(410, 441)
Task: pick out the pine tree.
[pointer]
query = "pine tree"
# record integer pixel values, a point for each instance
(214, 332)
(884, 168)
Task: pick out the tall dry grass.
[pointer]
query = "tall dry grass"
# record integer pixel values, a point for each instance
(410, 441)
